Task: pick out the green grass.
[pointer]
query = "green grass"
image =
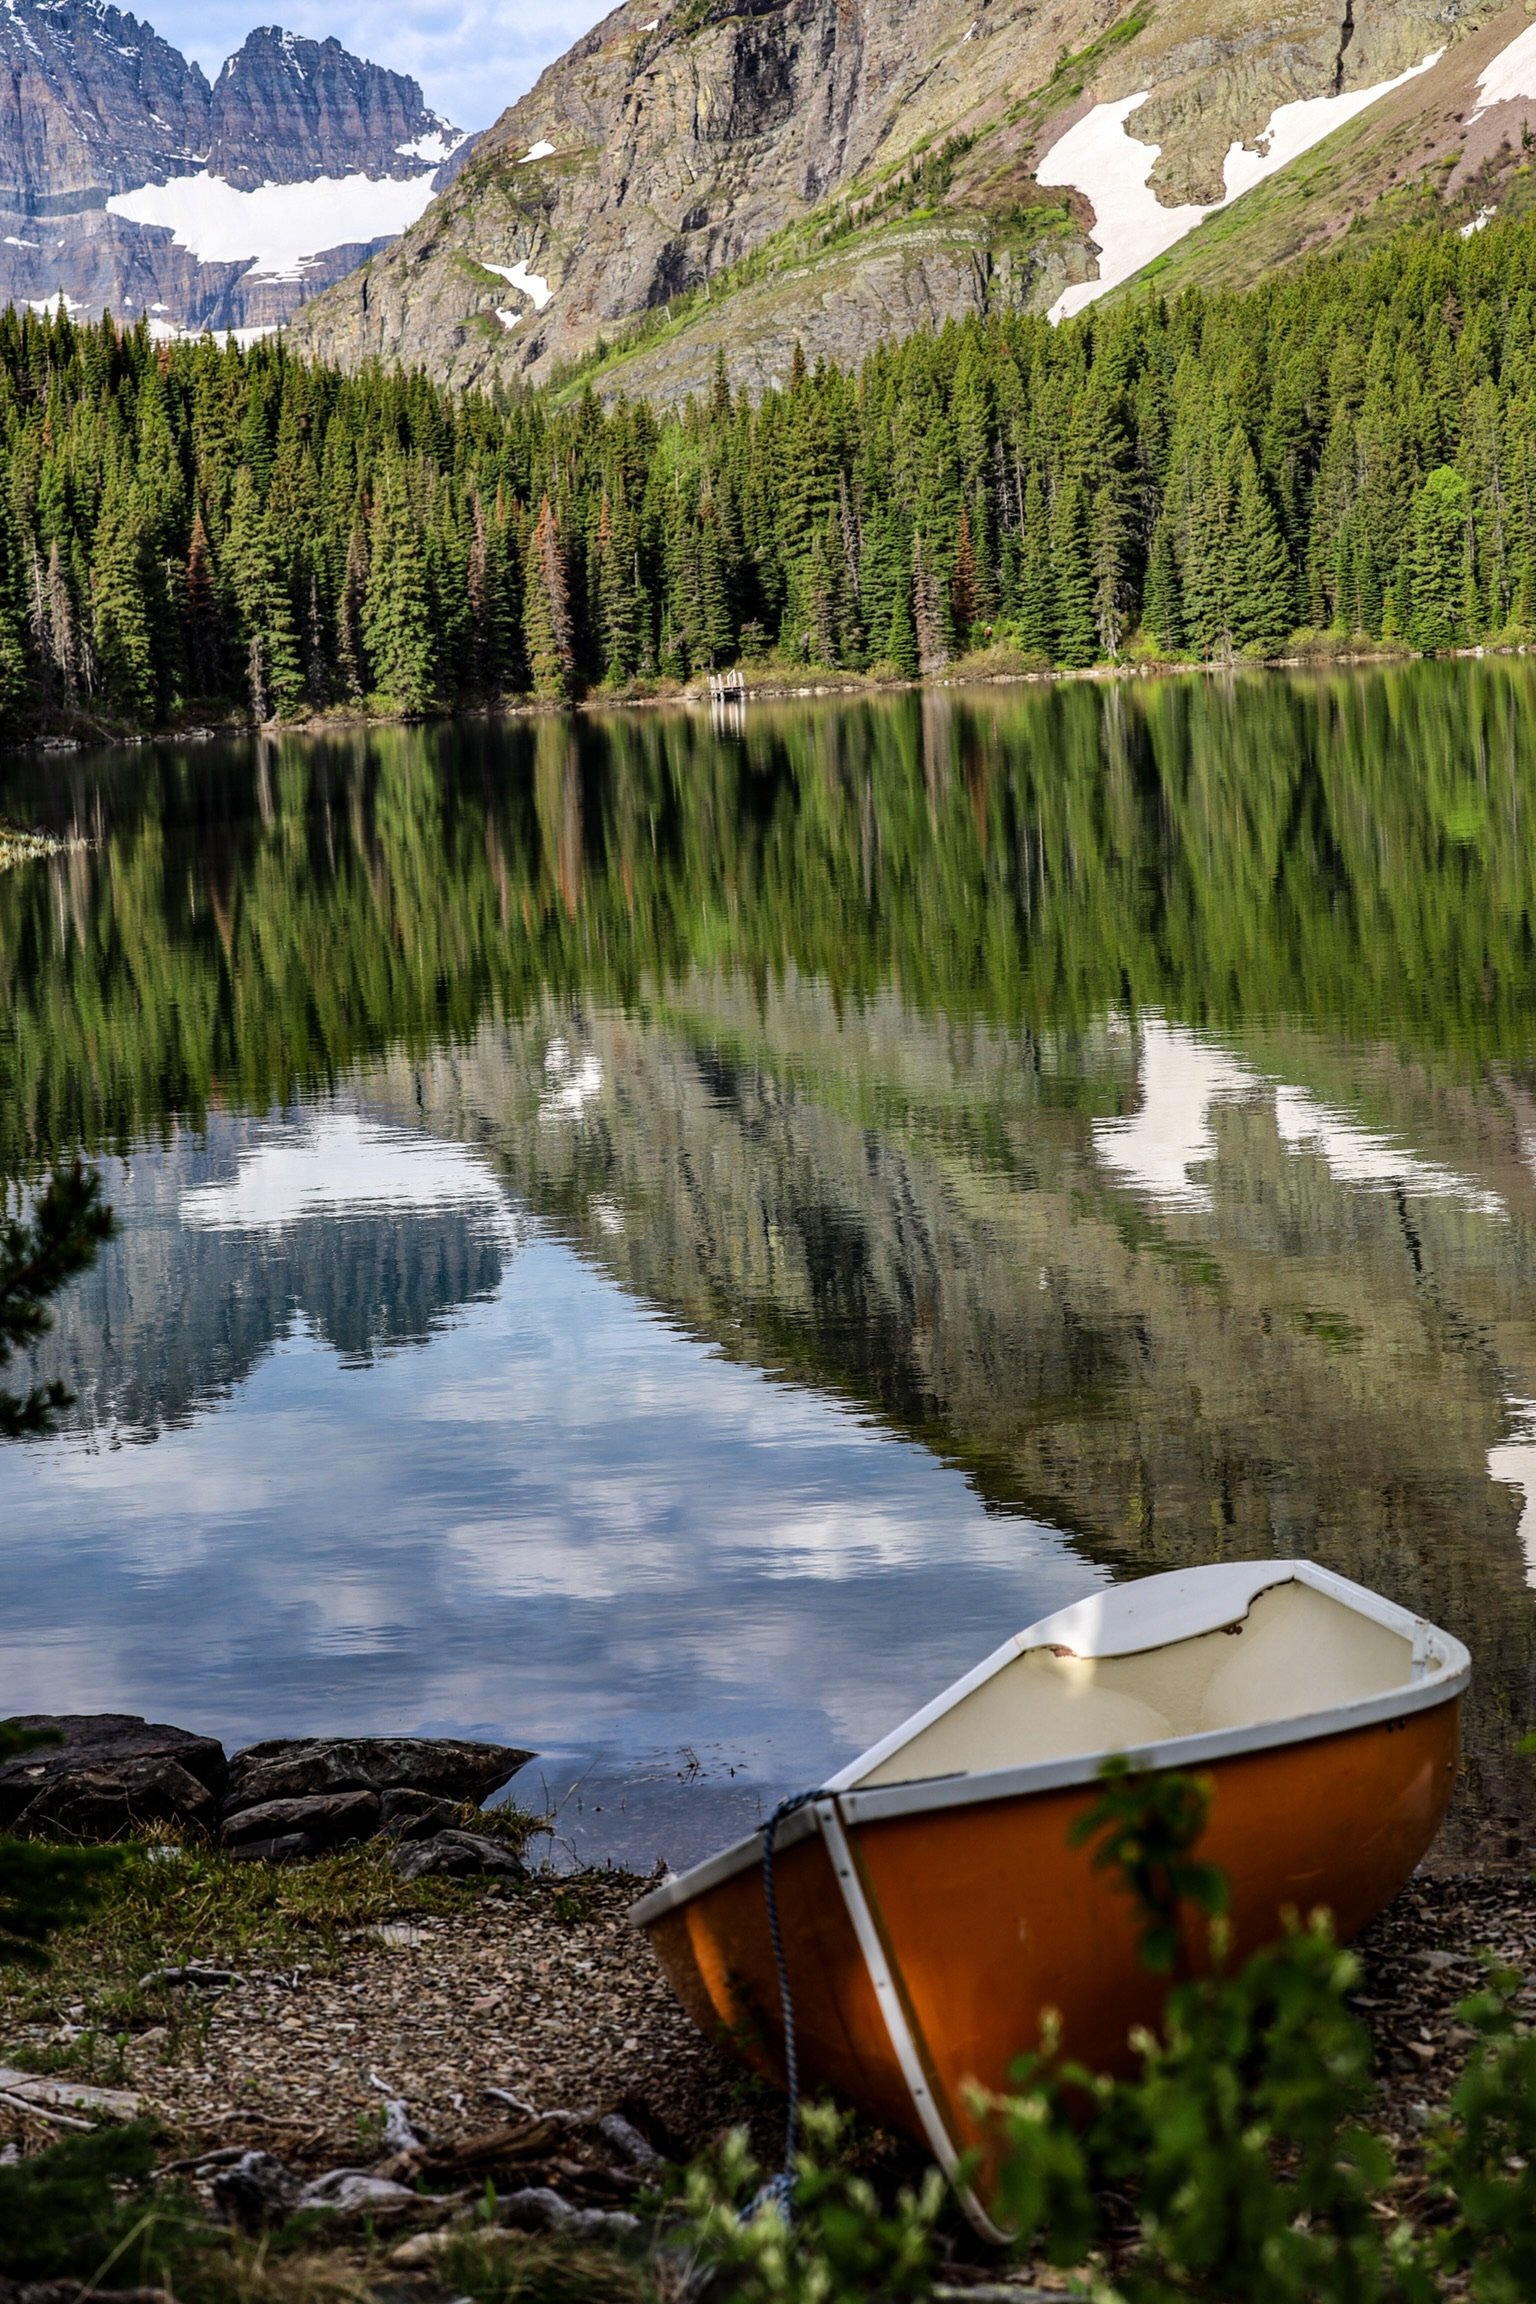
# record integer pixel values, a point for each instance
(200, 1905)
(1073, 72)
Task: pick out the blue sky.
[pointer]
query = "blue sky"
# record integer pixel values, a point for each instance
(472, 57)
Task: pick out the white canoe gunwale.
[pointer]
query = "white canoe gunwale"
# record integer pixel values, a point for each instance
(1124, 1620)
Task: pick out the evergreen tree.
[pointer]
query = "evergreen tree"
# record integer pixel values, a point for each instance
(901, 635)
(1164, 598)
(547, 611)
(1036, 611)
(354, 673)
(965, 583)
(1437, 561)
(254, 573)
(398, 630)
(1076, 627)
(200, 591)
(121, 583)
(1259, 581)
(928, 614)
(617, 622)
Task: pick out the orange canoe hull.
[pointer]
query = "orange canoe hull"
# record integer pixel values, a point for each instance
(989, 1919)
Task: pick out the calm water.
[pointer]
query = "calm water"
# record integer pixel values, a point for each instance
(665, 1242)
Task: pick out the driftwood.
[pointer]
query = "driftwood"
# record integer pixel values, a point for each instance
(47, 2113)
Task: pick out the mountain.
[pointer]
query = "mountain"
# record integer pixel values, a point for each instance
(126, 182)
(733, 176)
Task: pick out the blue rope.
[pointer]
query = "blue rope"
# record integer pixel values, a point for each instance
(780, 2189)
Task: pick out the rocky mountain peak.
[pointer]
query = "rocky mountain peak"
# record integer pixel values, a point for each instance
(127, 183)
(91, 102)
(286, 110)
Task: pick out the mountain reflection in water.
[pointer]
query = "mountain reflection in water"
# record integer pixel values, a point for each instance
(567, 1167)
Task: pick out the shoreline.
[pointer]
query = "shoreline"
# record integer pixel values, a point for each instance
(341, 1990)
(778, 688)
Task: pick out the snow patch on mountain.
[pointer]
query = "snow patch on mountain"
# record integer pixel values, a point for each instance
(440, 145)
(1099, 157)
(533, 285)
(543, 150)
(276, 228)
(1511, 75)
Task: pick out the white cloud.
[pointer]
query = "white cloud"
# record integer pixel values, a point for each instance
(338, 1164)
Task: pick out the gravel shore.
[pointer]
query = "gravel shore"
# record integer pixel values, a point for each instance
(547, 1994)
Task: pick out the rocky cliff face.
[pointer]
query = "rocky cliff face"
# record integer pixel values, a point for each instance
(91, 102)
(126, 182)
(286, 110)
(830, 171)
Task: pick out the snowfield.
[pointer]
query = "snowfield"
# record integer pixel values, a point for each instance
(279, 230)
(533, 285)
(437, 147)
(1100, 158)
(1511, 75)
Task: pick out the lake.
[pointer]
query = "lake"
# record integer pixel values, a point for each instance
(665, 1240)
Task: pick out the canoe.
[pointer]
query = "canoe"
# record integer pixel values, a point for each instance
(931, 1908)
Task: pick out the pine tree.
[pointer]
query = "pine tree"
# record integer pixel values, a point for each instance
(716, 632)
(1262, 593)
(617, 624)
(1437, 560)
(965, 583)
(200, 592)
(1036, 611)
(1077, 634)
(547, 609)
(1164, 599)
(63, 626)
(1110, 548)
(120, 587)
(398, 629)
(928, 616)
(352, 665)
(254, 573)
(901, 636)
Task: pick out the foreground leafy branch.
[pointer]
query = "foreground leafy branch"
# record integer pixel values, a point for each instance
(39, 1256)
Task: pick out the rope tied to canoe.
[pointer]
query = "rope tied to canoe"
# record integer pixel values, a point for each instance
(780, 2189)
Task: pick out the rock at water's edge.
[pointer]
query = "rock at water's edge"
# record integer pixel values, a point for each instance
(100, 1804)
(108, 1745)
(456, 1856)
(326, 1819)
(297, 1767)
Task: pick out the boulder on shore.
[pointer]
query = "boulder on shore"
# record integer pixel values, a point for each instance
(298, 1767)
(109, 1773)
(457, 1856)
(326, 1820)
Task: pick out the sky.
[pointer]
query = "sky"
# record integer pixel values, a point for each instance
(472, 57)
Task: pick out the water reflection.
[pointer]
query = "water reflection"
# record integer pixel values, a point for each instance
(1128, 1095)
(558, 1518)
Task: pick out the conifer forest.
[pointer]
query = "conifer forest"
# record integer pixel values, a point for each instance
(1350, 448)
